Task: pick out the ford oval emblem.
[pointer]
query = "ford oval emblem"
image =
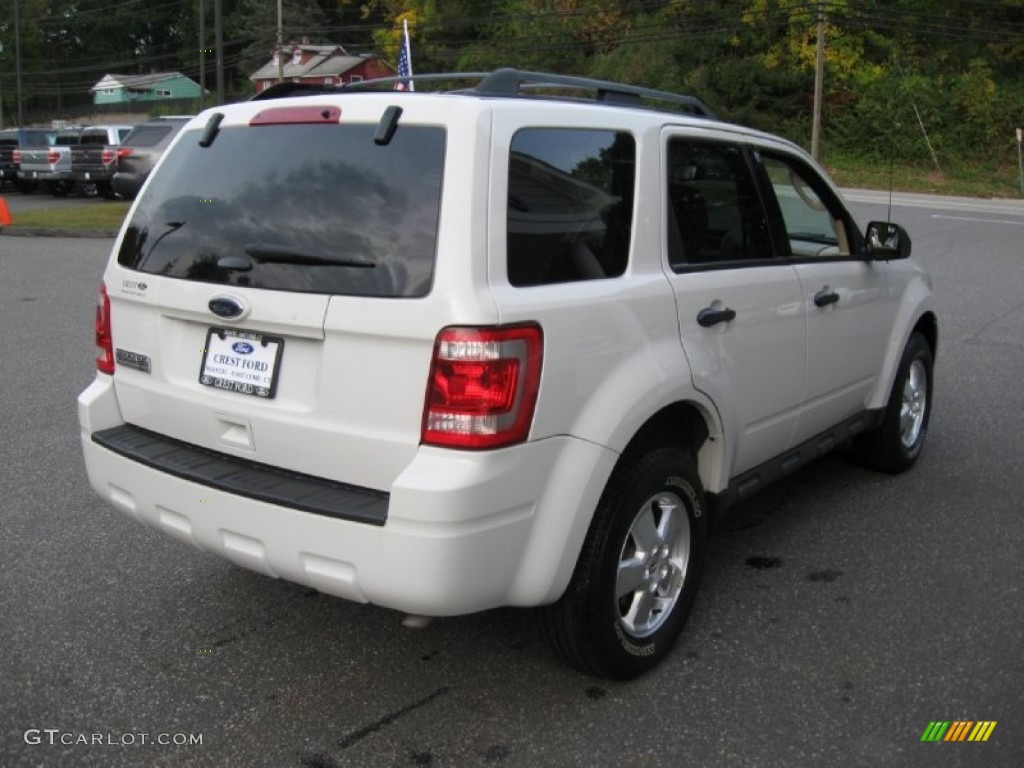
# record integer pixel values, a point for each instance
(227, 307)
(242, 348)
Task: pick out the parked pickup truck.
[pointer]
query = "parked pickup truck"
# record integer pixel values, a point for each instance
(12, 144)
(50, 166)
(94, 158)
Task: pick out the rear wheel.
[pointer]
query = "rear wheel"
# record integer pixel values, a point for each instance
(637, 575)
(895, 445)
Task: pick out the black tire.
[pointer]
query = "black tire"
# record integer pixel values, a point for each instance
(895, 445)
(592, 627)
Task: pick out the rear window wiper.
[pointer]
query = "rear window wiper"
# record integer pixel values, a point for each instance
(272, 253)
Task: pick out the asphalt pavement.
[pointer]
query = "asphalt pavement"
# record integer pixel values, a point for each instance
(842, 610)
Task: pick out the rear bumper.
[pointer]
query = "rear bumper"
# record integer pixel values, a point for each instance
(44, 175)
(464, 531)
(97, 175)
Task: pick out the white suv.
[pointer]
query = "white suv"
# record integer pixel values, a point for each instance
(444, 352)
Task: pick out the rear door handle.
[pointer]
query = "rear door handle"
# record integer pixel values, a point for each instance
(710, 316)
(825, 296)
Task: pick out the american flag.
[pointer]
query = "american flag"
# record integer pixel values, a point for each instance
(405, 63)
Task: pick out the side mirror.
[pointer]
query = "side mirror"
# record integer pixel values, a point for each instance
(884, 240)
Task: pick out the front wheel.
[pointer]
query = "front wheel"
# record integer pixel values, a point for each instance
(637, 576)
(895, 445)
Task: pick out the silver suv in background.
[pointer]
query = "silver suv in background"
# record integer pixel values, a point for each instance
(140, 150)
(444, 352)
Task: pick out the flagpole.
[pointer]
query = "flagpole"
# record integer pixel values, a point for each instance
(408, 53)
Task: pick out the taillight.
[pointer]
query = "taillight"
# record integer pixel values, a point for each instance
(108, 156)
(104, 342)
(16, 156)
(52, 156)
(123, 152)
(483, 386)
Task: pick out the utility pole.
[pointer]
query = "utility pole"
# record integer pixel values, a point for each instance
(202, 55)
(1, 90)
(280, 44)
(17, 59)
(819, 83)
(218, 35)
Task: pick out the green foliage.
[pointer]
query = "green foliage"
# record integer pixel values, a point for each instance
(896, 72)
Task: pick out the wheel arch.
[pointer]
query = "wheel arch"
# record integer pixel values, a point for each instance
(916, 314)
(928, 326)
(685, 424)
(688, 424)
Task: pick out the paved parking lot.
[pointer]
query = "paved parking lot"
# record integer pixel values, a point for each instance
(842, 610)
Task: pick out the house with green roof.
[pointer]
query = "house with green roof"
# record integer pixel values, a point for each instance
(121, 89)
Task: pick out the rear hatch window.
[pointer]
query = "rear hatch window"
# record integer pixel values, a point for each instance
(147, 135)
(295, 207)
(94, 137)
(37, 139)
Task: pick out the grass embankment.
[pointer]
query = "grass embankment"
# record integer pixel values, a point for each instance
(961, 179)
(107, 215)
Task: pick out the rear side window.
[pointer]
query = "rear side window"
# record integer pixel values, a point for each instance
(570, 205)
(295, 207)
(715, 213)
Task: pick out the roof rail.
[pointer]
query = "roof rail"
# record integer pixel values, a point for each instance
(510, 82)
(507, 83)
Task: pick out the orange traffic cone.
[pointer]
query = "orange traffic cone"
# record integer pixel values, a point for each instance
(5, 214)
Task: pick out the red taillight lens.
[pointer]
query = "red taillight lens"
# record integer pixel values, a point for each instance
(108, 156)
(104, 342)
(52, 156)
(16, 156)
(123, 152)
(483, 386)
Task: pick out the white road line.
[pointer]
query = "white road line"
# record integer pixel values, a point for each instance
(1003, 207)
(984, 221)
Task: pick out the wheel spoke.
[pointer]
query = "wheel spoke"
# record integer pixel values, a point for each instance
(644, 532)
(671, 523)
(632, 576)
(639, 615)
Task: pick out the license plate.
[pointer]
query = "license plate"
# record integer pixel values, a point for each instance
(86, 175)
(241, 361)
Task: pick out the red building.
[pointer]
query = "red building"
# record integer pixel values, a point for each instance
(320, 64)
